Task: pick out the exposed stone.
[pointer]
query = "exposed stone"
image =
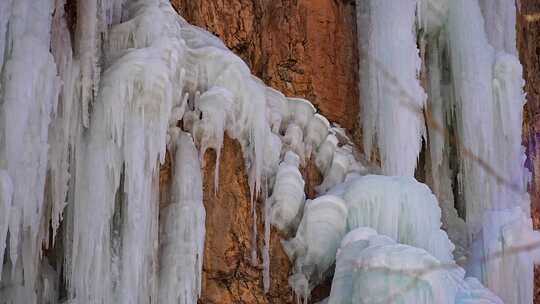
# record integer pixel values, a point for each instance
(228, 275)
(304, 48)
(528, 36)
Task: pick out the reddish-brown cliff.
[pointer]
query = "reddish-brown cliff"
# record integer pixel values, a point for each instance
(305, 48)
(529, 51)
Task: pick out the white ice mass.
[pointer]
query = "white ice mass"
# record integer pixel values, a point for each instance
(87, 119)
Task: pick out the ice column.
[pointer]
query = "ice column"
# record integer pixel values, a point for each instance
(391, 95)
(183, 229)
(29, 95)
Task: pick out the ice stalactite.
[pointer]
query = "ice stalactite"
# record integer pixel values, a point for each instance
(215, 106)
(64, 128)
(5, 14)
(473, 119)
(183, 229)
(489, 112)
(93, 19)
(391, 95)
(500, 24)
(87, 48)
(472, 60)
(29, 96)
(125, 141)
(6, 195)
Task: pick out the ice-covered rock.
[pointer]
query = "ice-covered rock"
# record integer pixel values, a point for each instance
(183, 229)
(314, 247)
(389, 273)
(278, 109)
(317, 130)
(301, 111)
(507, 248)
(432, 15)
(288, 196)
(215, 107)
(373, 268)
(294, 141)
(325, 153)
(401, 208)
(340, 166)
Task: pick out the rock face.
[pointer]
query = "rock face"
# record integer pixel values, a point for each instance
(529, 51)
(528, 35)
(228, 274)
(304, 48)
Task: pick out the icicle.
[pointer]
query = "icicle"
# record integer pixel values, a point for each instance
(472, 61)
(493, 178)
(271, 159)
(500, 24)
(126, 138)
(391, 93)
(215, 107)
(65, 123)
(29, 95)
(509, 100)
(87, 46)
(183, 229)
(432, 15)
(6, 193)
(5, 14)
(266, 248)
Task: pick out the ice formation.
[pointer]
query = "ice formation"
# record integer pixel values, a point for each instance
(287, 201)
(372, 268)
(213, 106)
(313, 249)
(473, 114)
(87, 118)
(401, 208)
(392, 98)
(182, 235)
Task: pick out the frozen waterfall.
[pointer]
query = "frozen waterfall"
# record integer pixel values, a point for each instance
(90, 112)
